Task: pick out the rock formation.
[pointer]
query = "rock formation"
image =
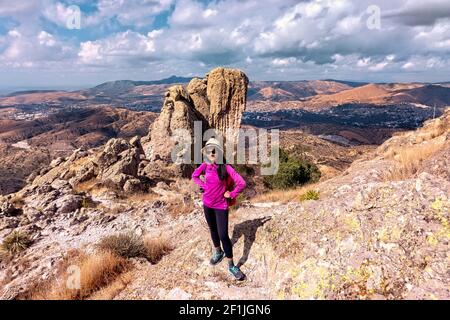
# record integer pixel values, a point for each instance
(218, 101)
(113, 165)
(227, 93)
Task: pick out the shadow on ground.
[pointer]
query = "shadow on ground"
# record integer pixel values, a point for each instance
(247, 229)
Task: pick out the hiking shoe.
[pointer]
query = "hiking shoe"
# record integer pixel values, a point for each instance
(237, 273)
(217, 257)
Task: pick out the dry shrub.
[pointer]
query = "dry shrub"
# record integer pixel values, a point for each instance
(99, 270)
(129, 245)
(408, 160)
(15, 242)
(283, 196)
(86, 186)
(143, 197)
(125, 245)
(96, 271)
(176, 206)
(156, 248)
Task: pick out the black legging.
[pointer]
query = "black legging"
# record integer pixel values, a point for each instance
(218, 226)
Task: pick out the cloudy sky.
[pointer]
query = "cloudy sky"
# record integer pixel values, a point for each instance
(76, 43)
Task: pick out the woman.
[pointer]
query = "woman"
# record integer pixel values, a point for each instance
(216, 198)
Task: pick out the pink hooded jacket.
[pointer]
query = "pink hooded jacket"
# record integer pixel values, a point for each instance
(214, 187)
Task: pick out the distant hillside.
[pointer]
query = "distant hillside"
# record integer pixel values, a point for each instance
(123, 86)
(292, 90)
(375, 94)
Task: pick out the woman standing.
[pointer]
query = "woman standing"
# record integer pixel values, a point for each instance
(216, 197)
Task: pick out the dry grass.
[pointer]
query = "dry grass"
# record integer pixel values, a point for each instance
(156, 248)
(143, 197)
(86, 186)
(284, 196)
(176, 206)
(96, 272)
(114, 288)
(17, 201)
(408, 160)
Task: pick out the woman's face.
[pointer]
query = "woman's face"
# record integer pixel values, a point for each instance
(211, 155)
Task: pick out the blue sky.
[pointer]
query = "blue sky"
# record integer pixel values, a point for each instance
(368, 40)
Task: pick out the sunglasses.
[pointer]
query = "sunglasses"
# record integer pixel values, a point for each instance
(211, 151)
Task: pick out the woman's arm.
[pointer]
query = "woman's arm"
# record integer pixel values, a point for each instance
(238, 181)
(197, 173)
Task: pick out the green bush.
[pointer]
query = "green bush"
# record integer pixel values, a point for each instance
(292, 172)
(15, 242)
(310, 195)
(244, 169)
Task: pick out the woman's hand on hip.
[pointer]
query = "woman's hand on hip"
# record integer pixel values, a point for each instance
(227, 195)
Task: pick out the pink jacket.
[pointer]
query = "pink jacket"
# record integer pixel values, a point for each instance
(214, 187)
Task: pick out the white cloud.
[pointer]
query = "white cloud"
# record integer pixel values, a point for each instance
(378, 66)
(46, 39)
(364, 62)
(89, 52)
(283, 62)
(408, 65)
(265, 37)
(125, 47)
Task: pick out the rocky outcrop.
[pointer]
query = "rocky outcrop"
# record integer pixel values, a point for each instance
(227, 93)
(113, 165)
(7, 209)
(118, 162)
(217, 101)
(176, 113)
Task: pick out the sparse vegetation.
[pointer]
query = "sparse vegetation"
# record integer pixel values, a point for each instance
(86, 186)
(93, 272)
(15, 242)
(309, 195)
(282, 196)
(129, 245)
(125, 245)
(176, 206)
(408, 160)
(156, 248)
(292, 172)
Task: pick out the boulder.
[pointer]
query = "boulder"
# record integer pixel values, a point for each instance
(133, 186)
(8, 209)
(111, 151)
